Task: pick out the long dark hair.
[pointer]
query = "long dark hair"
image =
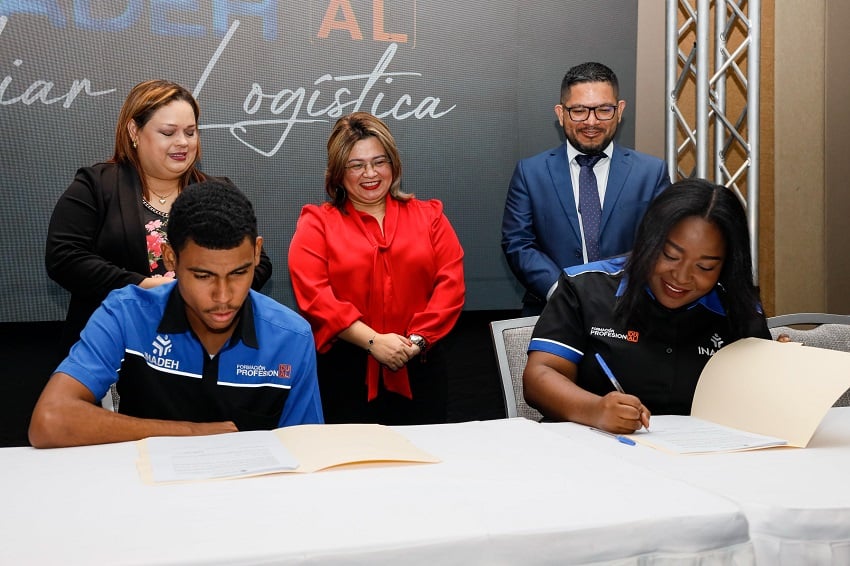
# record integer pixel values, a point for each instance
(715, 204)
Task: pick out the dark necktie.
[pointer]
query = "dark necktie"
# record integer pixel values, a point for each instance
(588, 204)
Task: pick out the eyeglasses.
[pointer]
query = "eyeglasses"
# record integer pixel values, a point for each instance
(360, 166)
(582, 113)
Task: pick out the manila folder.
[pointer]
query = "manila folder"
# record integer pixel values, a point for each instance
(771, 388)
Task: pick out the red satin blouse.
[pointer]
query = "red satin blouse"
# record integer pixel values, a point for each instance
(407, 280)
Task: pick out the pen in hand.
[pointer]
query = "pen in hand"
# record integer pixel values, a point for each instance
(613, 380)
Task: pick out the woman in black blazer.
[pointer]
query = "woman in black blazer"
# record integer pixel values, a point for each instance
(107, 228)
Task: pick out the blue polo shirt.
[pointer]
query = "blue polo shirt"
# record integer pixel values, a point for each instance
(658, 357)
(263, 378)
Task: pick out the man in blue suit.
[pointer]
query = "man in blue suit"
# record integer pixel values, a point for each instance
(543, 230)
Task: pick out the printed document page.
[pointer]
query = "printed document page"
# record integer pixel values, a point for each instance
(301, 448)
(181, 458)
(690, 435)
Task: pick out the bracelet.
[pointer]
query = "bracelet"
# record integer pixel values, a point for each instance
(371, 343)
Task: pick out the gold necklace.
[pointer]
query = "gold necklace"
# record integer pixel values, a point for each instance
(162, 198)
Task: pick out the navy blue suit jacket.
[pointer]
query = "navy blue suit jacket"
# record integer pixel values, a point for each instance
(541, 234)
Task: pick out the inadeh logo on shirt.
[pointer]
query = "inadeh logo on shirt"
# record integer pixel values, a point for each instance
(162, 346)
(716, 343)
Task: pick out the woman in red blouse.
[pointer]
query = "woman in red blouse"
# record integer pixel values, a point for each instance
(379, 275)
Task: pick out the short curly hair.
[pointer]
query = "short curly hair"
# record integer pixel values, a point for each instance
(214, 214)
(590, 72)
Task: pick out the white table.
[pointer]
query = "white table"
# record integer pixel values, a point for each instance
(797, 500)
(507, 492)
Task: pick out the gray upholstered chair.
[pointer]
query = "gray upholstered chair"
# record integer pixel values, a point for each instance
(829, 331)
(511, 338)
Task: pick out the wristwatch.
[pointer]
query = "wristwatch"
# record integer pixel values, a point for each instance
(419, 341)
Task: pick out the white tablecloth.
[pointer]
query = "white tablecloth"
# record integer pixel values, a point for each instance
(507, 492)
(797, 500)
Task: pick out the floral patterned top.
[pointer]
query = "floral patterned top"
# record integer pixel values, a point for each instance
(155, 224)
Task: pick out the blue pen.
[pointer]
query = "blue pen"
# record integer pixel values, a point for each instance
(616, 384)
(620, 438)
(609, 373)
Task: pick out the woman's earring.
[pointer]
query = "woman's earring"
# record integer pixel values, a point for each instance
(135, 144)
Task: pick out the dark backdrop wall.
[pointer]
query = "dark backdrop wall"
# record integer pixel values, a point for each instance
(466, 87)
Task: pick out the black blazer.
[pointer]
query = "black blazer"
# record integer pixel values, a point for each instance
(96, 242)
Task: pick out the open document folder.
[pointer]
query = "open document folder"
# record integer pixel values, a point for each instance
(761, 393)
(302, 448)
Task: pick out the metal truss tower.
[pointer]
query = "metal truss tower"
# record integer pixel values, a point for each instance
(713, 114)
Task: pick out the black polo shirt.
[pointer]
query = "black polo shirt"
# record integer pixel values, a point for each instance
(659, 359)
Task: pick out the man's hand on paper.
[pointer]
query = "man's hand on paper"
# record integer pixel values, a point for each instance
(204, 429)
